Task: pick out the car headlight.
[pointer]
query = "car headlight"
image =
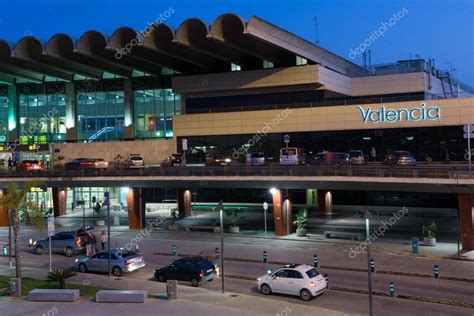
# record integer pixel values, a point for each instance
(76, 260)
(227, 160)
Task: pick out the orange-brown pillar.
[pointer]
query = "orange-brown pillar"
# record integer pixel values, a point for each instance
(184, 202)
(280, 228)
(324, 202)
(133, 206)
(59, 201)
(288, 215)
(466, 220)
(3, 210)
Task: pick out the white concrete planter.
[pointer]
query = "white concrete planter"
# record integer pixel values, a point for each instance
(301, 232)
(173, 227)
(427, 241)
(100, 222)
(234, 229)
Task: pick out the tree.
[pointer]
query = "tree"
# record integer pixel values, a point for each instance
(15, 203)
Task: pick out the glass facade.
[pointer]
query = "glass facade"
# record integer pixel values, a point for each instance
(42, 118)
(444, 143)
(100, 116)
(3, 119)
(154, 110)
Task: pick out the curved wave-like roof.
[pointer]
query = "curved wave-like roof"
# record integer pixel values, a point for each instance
(194, 47)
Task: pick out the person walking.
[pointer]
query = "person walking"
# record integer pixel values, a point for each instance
(10, 164)
(103, 239)
(93, 242)
(88, 241)
(373, 154)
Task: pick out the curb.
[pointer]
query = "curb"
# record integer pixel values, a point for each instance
(407, 297)
(329, 267)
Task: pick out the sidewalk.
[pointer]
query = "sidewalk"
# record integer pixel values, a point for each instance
(191, 301)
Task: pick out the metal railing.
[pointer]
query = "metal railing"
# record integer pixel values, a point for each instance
(436, 171)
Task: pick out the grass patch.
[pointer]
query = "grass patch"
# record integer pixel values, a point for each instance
(28, 284)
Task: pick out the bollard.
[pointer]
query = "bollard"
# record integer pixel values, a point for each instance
(315, 261)
(392, 290)
(174, 250)
(372, 265)
(326, 277)
(265, 259)
(436, 271)
(217, 252)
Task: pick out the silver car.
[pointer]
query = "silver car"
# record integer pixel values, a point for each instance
(356, 157)
(122, 261)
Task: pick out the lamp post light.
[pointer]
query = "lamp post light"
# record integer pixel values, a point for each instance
(367, 216)
(220, 208)
(265, 208)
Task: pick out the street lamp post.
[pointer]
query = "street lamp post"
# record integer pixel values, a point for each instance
(367, 216)
(220, 208)
(265, 208)
(107, 203)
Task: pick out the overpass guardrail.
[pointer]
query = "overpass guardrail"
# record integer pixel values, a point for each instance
(241, 170)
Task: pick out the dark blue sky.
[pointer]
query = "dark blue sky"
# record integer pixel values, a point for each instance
(439, 29)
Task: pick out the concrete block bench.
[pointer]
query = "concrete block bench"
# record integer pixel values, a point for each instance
(53, 295)
(347, 235)
(121, 296)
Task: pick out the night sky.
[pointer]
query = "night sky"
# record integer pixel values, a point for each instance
(439, 29)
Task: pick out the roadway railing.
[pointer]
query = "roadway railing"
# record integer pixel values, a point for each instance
(438, 171)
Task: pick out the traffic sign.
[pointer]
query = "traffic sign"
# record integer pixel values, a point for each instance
(106, 194)
(286, 138)
(220, 206)
(265, 206)
(185, 144)
(106, 202)
(468, 130)
(50, 226)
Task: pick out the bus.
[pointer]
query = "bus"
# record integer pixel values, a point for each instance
(292, 156)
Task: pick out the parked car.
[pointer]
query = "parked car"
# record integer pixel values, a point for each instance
(356, 157)
(219, 160)
(301, 280)
(135, 161)
(80, 163)
(401, 158)
(173, 160)
(122, 261)
(292, 156)
(31, 165)
(256, 159)
(68, 243)
(196, 270)
(100, 163)
(329, 159)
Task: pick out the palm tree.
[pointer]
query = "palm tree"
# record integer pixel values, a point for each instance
(15, 202)
(61, 276)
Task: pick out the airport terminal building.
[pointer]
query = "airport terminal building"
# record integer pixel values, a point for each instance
(227, 88)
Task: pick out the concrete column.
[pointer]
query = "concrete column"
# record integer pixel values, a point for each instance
(71, 134)
(280, 229)
(466, 220)
(3, 210)
(135, 221)
(324, 202)
(129, 103)
(184, 198)
(288, 215)
(59, 201)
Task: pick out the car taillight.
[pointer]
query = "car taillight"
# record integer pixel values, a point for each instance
(129, 261)
(201, 274)
(78, 241)
(312, 284)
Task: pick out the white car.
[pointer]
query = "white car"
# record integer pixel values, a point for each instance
(135, 161)
(297, 279)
